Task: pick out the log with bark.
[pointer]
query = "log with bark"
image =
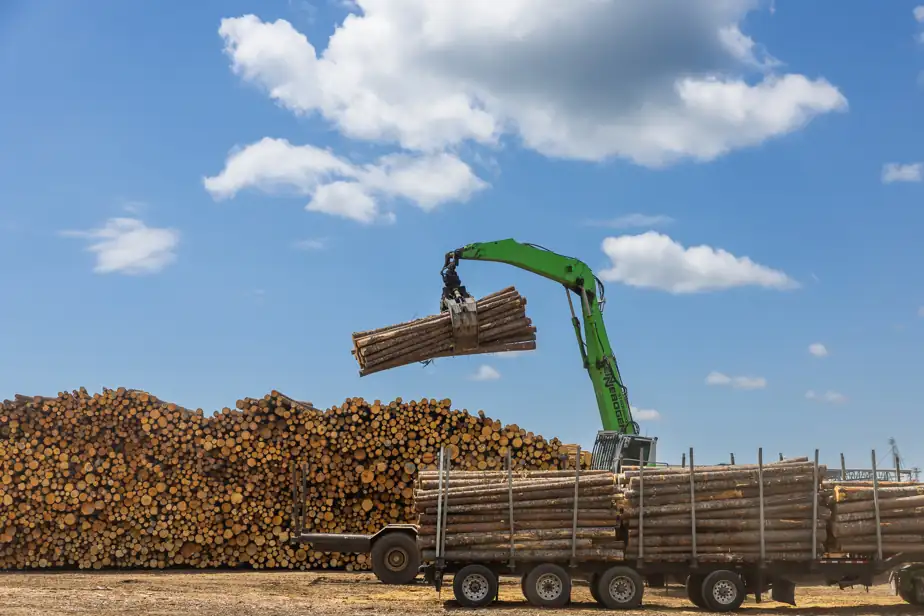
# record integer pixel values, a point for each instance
(900, 511)
(122, 479)
(502, 327)
(478, 506)
(726, 504)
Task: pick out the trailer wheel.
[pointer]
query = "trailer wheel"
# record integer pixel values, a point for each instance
(395, 558)
(695, 590)
(474, 586)
(907, 590)
(620, 588)
(592, 584)
(723, 591)
(547, 585)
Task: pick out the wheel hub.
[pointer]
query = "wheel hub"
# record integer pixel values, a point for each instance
(724, 592)
(396, 559)
(622, 589)
(475, 587)
(549, 587)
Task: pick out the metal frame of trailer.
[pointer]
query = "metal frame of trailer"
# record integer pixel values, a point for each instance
(393, 548)
(711, 584)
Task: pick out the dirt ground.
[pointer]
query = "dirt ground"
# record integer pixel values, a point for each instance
(343, 594)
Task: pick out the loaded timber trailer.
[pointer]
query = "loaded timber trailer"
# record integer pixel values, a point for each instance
(618, 581)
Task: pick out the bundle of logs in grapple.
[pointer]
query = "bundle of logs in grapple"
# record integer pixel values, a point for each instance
(528, 516)
(122, 479)
(502, 327)
(901, 519)
(726, 504)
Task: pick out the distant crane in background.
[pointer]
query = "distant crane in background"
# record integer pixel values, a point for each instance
(897, 472)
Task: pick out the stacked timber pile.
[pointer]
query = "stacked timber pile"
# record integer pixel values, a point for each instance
(727, 511)
(901, 519)
(122, 479)
(478, 515)
(502, 327)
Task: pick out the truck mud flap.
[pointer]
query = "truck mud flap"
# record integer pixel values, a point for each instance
(783, 591)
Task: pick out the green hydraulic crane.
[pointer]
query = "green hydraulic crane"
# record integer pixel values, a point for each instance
(619, 441)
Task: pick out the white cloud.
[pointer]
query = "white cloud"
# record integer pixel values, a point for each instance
(897, 172)
(919, 13)
(135, 208)
(921, 311)
(314, 243)
(486, 373)
(632, 221)
(580, 79)
(653, 260)
(645, 414)
(818, 349)
(347, 199)
(341, 188)
(832, 397)
(511, 354)
(129, 246)
(736, 382)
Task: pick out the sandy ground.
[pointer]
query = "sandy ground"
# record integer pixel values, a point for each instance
(343, 594)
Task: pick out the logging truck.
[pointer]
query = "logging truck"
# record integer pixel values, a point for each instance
(714, 581)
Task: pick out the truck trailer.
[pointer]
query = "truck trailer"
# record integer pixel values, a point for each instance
(400, 554)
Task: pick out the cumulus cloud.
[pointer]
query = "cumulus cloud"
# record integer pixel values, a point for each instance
(645, 414)
(897, 172)
(832, 397)
(919, 13)
(129, 246)
(486, 373)
(653, 260)
(630, 221)
(736, 382)
(339, 187)
(818, 349)
(653, 82)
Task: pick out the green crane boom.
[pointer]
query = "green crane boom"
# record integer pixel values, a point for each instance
(619, 438)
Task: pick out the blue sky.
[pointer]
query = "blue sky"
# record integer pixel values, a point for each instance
(251, 205)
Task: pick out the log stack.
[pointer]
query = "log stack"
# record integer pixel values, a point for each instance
(901, 519)
(478, 515)
(502, 327)
(122, 479)
(727, 511)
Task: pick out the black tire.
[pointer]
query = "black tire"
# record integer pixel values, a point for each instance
(910, 598)
(474, 586)
(620, 588)
(907, 594)
(723, 591)
(547, 585)
(592, 583)
(395, 558)
(695, 590)
(906, 582)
